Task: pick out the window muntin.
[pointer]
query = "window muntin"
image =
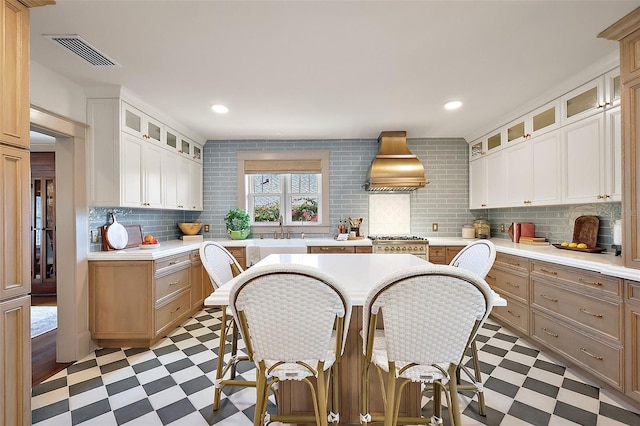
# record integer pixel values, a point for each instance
(294, 197)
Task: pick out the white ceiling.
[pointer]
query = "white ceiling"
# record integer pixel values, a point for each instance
(331, 69)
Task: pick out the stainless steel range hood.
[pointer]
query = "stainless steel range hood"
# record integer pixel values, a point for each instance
(395, 167)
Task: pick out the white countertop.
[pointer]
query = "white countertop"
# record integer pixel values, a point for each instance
(605, 263)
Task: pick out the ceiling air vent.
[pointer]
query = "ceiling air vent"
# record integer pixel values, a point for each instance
(84, 50)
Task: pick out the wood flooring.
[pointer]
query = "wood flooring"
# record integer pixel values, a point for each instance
(43, 348)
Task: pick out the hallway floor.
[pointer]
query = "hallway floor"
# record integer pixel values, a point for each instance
(172, 383)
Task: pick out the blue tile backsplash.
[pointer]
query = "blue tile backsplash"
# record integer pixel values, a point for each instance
(444, 200)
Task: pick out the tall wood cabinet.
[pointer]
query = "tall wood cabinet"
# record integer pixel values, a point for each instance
(627, 32)
(15, 283)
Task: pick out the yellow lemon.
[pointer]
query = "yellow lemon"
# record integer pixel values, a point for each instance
(564, 244)
(573, 245)
(582, 246)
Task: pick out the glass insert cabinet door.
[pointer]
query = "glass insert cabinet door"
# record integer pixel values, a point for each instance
(43, 236)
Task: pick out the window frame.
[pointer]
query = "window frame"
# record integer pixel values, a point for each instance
(303, 156)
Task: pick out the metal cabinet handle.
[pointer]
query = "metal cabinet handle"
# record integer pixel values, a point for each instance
(515, 315)
(490, 277)
(599, 358)
(584, 311)
(548, 272)
(512, 285)
(513, 264)
(548, 298)
(173, 262)
(548, 332)
(582, 280)
(174, 283)
(175, 310)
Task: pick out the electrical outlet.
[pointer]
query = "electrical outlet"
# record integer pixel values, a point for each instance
(502, 227)
(206, 228)
(434, 227)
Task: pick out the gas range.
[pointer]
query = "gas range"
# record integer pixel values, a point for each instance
(401, 244)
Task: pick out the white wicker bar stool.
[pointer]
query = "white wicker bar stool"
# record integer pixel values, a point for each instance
(478, 257)
(430, 314)
(293, 320)
(222, 266)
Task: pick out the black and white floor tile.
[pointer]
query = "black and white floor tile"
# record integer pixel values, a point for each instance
(172, 384)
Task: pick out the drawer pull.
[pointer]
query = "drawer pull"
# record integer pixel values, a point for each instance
(513, 263)
(515, 315)
(490, 277)
(173, 262)
(584, 311)
(544, 296)
(175, 310)
(596, 283)
(549, 333)
(512, 285)
(548, 272)
(174, 283)
(583, 350)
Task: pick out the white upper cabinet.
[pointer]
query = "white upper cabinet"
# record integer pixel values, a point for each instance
(135, 160)
(583, 161)
(591, 98)
(478, 184)
(613, 154)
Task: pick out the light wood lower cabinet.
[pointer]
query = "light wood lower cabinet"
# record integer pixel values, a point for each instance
(580, 314)
(443, 255)
(15, 359)
(509, 277)
(240, 254)
(136, 303)
(632, 339)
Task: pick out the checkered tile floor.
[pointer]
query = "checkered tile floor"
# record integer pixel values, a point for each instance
(172, 383)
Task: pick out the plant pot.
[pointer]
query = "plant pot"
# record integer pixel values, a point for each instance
(238, 235)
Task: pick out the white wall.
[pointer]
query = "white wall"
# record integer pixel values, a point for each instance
(53, 92)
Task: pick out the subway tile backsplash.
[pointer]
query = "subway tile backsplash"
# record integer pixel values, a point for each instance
(445, 199)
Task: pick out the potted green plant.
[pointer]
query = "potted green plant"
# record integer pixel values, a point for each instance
(237, 221)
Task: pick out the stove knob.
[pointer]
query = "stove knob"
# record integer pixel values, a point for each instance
(411, 248)
(386, 248)
(404, 249)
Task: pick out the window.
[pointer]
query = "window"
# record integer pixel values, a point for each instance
(290, 197)
(292, 186)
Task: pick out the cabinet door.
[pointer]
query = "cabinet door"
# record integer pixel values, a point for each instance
(197, 282)
(131, 162)
(476, 149)
(183, 177)
(137, 123)
(15, 358)
(152, 157)
(546, 169)
(613, 154)
(583, 102)
(14, 77)
(519, 174)
(545, 119)
(582, 158)
(195, 185)
(14, 222)
(170, 179)
(478, 184)
(496, 177)
(517, 131)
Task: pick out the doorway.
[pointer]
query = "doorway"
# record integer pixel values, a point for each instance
(43, 224)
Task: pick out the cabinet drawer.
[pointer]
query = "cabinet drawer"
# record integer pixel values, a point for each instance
(364, 249)
(599, 358)
(450, 253)
(171, 261)
(512, 262)
(331, 249)
(171, 283)
(515, 314)
(586, 279)
(599, 314)
(510, 283)
(437, 254)
(173, 310)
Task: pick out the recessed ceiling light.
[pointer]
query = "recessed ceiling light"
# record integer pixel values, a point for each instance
(220, 109)
(453, 105)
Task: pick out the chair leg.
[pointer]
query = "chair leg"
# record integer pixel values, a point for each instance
(482, 410)
(364, 393)
(321, 395)
(454, 408)
(261, 397)
(220, 364)
(335, 396)
(234, 347)
(389, 411)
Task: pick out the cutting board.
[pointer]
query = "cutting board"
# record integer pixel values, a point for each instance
(134, 232)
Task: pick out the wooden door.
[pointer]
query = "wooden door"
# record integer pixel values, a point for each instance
(43, 223)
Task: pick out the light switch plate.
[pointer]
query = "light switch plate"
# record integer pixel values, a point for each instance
(434, 227)
(206, 228)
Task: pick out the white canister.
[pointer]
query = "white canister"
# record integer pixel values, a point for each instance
(468, 231)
